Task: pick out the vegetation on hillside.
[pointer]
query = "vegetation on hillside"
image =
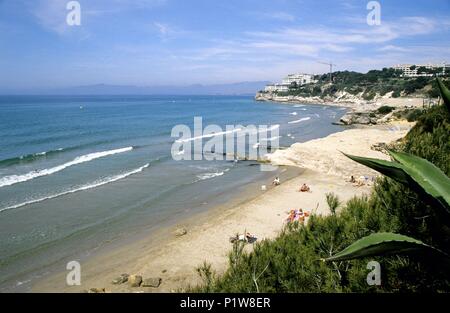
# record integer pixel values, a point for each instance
(368, 85)
(293, 262)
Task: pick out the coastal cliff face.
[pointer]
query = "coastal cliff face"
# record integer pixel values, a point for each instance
(341, 98)
(263, 96)
(361, 111)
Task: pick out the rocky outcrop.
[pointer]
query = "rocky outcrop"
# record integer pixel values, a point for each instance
(362, 118)
(151, 282)
(180, 232)
(263, 96)
(120, 280)
(96, 290)
(134, 280)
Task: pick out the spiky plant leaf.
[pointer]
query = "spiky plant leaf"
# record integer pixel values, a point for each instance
(390, 169)
(428, 176)
(445, 93)
(383, 244)
(414, 172)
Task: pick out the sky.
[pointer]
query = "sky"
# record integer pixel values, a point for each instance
(182, 42)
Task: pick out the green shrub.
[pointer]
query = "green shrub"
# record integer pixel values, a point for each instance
(385, 109)
(396, 94)
(413, 115)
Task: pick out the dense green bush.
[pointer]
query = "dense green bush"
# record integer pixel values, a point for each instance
(292, 261)
(385, 109)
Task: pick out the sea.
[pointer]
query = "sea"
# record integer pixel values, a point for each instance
(79, 172)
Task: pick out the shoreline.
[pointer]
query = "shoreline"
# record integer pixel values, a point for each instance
(153, 241)
(345, 100)
(174, 259)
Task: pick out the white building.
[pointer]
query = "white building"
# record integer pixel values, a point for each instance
(299, 79)
(276, 88)
(411, 70)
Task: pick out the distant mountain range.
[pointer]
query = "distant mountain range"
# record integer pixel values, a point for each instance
(241, 88)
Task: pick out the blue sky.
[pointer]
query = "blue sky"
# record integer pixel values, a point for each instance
(181, 42)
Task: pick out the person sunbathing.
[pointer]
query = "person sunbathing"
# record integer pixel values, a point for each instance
(276, 181)
(291, 216)
(247, 237)
(305, 188)
(250, 237)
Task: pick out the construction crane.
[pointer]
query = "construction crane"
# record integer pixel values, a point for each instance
(331, 69)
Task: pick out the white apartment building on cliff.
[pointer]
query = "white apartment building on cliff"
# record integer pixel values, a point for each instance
(412, 70)
(299, 79)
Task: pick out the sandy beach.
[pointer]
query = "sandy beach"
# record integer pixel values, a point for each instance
(174, 258)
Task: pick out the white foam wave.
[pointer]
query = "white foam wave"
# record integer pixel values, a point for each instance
(271, 138)
(300, 120)
(271, 128)
(95, 184)
(15, 179)
(299, 105)
(209, 135)
(211, 175)
(293, 113)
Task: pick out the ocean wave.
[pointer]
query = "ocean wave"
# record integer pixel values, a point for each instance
(271, 128)
(299, 105)
(205, 176)
(15, 179)
(30, 157)
(300, 120)
(95, 184)
(209, 135)
(293, 113)
(271, 138)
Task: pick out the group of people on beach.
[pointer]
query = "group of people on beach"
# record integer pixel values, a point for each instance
(297, 215)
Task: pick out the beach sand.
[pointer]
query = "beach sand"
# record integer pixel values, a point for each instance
(174, 259)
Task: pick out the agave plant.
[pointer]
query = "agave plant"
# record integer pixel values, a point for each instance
(385, 243)
(445, 93)
(417, 174)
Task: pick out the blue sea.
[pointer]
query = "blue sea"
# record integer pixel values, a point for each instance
(78, 172)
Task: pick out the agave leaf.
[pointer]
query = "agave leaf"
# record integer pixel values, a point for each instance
(383, 244)
(445, 93)
(393, 170)
(428, 176)
(414, 172)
